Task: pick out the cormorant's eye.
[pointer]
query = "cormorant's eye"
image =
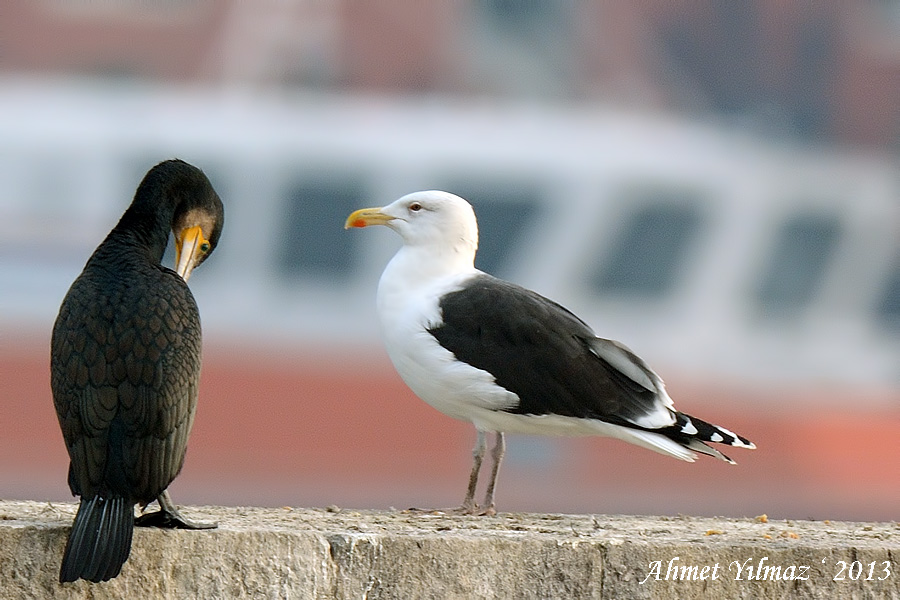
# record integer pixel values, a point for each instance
(415, 207)
(204, 247)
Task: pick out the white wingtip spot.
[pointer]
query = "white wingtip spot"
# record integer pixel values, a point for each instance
(716, 437)
(688, 428)
(727, 432)
(657, 419)
(736, 439)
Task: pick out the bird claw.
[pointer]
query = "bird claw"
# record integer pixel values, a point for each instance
(478, 511)
(464, 510)
(168, 519)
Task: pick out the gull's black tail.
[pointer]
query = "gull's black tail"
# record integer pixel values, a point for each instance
(692, 432)
(100, 540)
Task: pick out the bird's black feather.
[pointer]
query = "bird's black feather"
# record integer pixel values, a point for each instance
(100, 540)
(539, 350)
(125, 366)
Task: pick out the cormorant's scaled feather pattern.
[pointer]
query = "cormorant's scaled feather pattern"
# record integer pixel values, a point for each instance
(125, 367)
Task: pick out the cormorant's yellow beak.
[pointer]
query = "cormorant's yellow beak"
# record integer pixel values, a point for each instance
(190, 246)
(367, 216)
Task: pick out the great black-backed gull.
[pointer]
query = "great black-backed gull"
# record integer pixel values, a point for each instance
(505, 358)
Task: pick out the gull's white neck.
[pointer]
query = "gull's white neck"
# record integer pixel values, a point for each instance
(418, 268)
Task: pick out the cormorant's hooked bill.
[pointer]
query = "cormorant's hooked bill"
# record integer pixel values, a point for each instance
(190, 245)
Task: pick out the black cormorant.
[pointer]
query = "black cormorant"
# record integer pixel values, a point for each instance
(125, 367)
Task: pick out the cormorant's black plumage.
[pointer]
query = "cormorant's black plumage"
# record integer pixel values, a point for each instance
(125, 366)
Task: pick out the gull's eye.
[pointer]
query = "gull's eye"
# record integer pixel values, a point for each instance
(415, 207)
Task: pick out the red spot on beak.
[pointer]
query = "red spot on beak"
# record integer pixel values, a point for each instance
(359, 223)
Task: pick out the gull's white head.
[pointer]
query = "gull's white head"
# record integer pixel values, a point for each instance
(439, 221)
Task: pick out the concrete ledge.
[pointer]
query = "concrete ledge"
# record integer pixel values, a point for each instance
(322, 554)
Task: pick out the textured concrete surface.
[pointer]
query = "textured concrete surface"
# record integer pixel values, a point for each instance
(334, 553)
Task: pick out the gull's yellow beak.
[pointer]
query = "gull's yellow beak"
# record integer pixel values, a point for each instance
(190, 247)
(367, 216)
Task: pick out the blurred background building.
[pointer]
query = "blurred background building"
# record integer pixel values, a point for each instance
(714, 183)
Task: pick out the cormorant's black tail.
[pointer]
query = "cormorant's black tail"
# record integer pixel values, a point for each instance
(100, 540)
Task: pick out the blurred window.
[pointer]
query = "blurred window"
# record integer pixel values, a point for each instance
(649, 250)
(313, 242)
(725, 54)
(804, 244)
(523, 46)
(523, 18)
(887, 311)
(887, 12)
(505, 213)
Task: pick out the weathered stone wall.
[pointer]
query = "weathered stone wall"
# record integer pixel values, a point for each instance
(324, 554)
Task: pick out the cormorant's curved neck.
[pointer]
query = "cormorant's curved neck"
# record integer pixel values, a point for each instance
(172, 194)
(147, 222)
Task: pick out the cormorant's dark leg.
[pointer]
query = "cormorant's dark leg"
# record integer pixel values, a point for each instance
(168, 517)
